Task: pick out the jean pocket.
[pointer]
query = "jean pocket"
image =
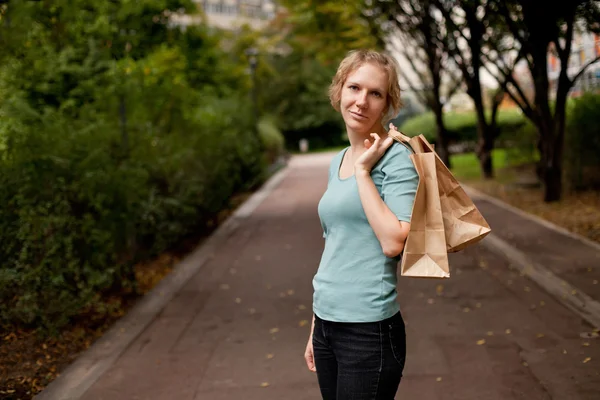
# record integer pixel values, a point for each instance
(397, 336)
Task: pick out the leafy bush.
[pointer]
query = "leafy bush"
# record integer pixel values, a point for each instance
(582, 143)
(271, 137)
(108, 158)
(461, 126)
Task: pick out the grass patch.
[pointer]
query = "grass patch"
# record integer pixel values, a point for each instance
(465, 167)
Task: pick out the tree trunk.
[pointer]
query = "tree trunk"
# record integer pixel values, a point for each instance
(441, 147)
(553, 181)
(486, 137)
(484, 153)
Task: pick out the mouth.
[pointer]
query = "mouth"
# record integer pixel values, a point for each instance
(357, 115)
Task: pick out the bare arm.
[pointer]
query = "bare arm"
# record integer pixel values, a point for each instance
(390, 232)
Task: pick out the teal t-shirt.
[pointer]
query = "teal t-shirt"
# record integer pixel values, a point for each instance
(355, 281)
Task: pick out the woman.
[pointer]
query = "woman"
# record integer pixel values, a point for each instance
(357, 343)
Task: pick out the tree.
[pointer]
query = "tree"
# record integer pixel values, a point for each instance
(415, 24)
(309, 40)
(536, 27)
(469, 24)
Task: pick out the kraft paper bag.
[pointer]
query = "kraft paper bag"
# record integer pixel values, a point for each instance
(444, 218)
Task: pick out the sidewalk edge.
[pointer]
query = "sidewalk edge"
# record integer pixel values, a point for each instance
(91, 364)
(565, 293)
(472, 192)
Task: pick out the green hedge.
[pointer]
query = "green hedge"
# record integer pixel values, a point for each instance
(75, 214)
(582, 143)
(104, 163)
(462, 127)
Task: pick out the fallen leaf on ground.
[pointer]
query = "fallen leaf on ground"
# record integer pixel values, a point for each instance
(587, 359)
(274, 330)
(264, 384)
(481, 341)
(303, 323)
(270, 356)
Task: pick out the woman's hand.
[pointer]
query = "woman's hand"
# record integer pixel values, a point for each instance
(374, 151)
(309, 355)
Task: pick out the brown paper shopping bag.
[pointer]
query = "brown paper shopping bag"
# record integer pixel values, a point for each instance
(439, 197)
(425, 248)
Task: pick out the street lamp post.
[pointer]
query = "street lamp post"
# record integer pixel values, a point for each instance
(252, 54)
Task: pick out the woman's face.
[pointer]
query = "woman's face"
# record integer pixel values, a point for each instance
(364, 98)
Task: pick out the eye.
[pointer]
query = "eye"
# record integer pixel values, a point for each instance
(376, 94)
(353, 87)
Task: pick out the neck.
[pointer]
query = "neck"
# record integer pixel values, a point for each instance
(357, 139)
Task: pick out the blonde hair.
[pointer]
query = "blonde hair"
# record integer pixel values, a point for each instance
(354, 60)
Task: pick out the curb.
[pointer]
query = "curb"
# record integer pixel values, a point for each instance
(90, 365)
(565, 293)
(472, 192)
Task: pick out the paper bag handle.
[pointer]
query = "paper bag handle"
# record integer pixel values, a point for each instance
(402, 139)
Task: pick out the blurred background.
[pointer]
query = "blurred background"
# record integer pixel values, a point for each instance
(130, 129)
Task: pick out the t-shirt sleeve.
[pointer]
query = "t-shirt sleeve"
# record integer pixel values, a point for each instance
(400, 182)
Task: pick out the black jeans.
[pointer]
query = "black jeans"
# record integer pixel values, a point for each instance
(359, 361)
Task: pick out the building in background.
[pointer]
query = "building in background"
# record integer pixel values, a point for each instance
(585, 48)
(231, 14)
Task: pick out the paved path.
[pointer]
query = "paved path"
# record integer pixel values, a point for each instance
(238, 327)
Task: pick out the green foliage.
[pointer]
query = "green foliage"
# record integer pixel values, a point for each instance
(112, 149)
(461, 126)
(521, 144)
(271, 137)
(313, 37)
(582, 143)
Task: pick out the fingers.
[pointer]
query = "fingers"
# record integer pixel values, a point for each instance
(310, 359)
(388, 142)
(377, 143)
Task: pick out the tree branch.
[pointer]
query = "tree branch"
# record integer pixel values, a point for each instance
(582, 70)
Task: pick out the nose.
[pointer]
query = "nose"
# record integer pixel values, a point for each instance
(361, 100)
